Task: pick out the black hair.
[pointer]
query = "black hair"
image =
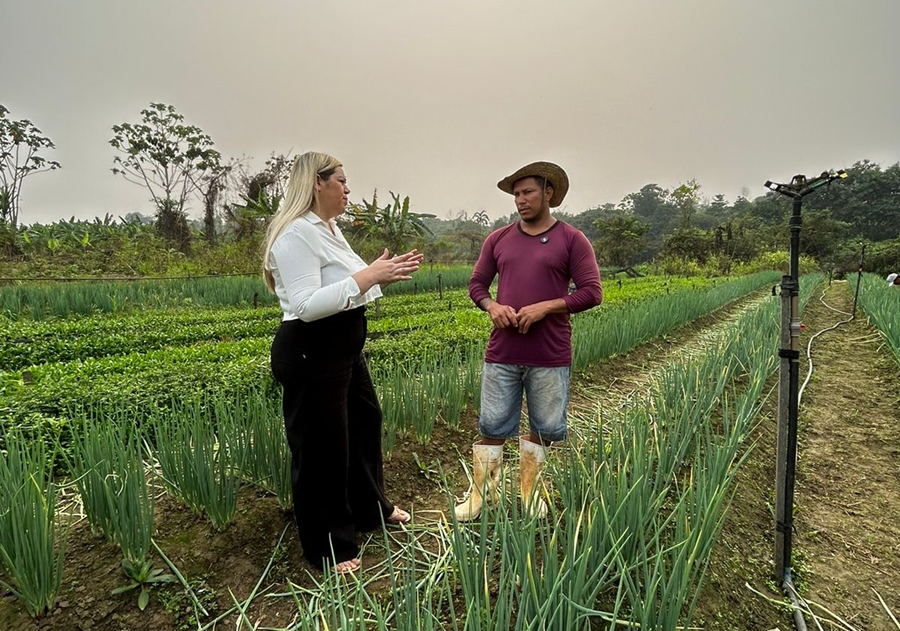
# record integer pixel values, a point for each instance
(542, 182)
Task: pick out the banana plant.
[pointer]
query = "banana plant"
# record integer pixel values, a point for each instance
(394, 224)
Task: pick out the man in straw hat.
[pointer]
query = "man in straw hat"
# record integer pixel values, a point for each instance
(530, 346)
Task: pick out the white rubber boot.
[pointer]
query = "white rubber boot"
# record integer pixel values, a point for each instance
(487, 461)
(531, 461)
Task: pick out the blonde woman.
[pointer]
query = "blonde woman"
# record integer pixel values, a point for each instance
(331, 413)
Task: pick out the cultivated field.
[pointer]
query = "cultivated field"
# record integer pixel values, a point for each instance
(160, 432)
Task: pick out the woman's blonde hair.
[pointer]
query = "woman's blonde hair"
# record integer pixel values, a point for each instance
(301, 198)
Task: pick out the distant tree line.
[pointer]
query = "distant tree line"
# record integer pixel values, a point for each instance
(657, 224)
(178, 164)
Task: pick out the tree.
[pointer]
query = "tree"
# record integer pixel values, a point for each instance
(718, 207)
(867, 199)
(821, 234)
(260, 198)
(215, 184)
(168, 158)
(20, 146)
(652, 203)
(686, 197)
(587, 221)
(689, 244)
(621, 238)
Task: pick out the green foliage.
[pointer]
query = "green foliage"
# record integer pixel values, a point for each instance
(393, 225)
(431, 278)
(30, 548)
(779, 261)
(881, 258)
(689, 244)
(881, 303)
(135, 384)
(261, 197)
(192, 368)
(866, 200)
(171, 223)
(686, 197)
(201, 460)
(27, 343)
(259, 427)
(38, 301)
(598, 335)
(621, 238)
(108, 470)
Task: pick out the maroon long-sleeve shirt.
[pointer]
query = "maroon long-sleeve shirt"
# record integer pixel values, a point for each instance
(531, 269)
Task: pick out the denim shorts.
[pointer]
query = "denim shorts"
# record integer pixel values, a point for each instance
(546, 395)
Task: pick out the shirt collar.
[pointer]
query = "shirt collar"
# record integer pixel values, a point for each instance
(314, 219)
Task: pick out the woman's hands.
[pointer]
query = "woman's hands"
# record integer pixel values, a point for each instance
(387, 269)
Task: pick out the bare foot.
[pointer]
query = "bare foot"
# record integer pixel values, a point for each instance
(398, 517)
(347, 567)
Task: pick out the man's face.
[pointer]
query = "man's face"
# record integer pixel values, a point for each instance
(531, 202)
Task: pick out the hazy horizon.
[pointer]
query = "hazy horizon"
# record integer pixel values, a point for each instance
(440, 101)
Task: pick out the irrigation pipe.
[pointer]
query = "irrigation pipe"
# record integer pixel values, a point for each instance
(809, 371)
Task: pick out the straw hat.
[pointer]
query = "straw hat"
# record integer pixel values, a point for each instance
(555, 176)
(891, 278)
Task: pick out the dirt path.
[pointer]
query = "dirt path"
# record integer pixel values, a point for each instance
(848, 485)
(614, 383)
(744, 551)
(847, 539)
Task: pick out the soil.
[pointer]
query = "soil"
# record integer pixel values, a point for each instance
(848, 487)
(847, 539)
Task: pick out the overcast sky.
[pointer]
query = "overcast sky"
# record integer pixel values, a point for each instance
(439, 100)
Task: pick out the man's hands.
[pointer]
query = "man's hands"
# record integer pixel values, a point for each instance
(502, 315)
(505, 316)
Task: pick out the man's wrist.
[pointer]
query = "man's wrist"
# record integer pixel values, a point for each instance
(484, 303)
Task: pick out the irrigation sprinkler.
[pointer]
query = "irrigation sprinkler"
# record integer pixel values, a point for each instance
(789, 378)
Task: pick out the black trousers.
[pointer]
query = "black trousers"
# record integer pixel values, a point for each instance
(333, 424)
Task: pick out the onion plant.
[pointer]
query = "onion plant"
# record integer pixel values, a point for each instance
(602, 333)
(201, 461)
(31, 548)
(881, 303)
(259, 427)
(97, 464)
(108, 469)
(415, 395)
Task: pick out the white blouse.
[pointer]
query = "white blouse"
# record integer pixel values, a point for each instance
(312, 270)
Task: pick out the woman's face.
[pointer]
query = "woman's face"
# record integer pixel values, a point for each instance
(333, 194)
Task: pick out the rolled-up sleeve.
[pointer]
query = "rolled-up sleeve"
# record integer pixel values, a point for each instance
(300, 270)
(586, 276)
